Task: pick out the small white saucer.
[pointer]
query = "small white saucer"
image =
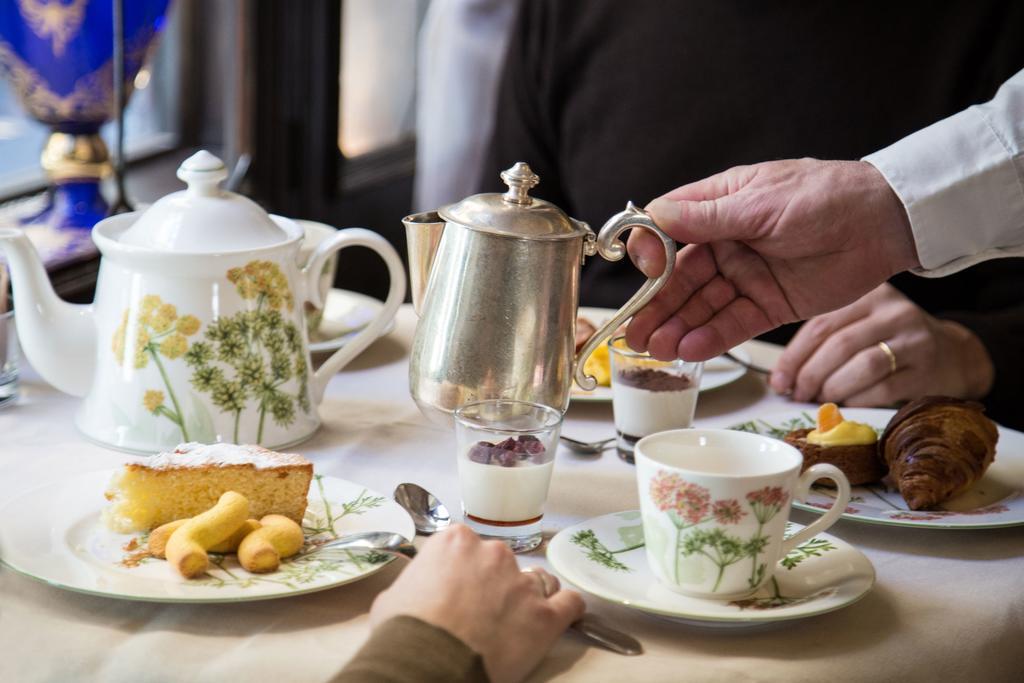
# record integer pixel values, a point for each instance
(605, 557)
(345, 314)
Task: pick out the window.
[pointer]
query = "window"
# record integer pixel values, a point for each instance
(377, 98)
(151, 117)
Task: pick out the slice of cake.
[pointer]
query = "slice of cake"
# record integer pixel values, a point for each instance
(192, 477)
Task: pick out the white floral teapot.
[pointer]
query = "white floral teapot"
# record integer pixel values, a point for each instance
(197, 332)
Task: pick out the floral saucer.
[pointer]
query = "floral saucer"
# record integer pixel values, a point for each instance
(345, 314)
(54, 534)
(996, 500)
(605, 556)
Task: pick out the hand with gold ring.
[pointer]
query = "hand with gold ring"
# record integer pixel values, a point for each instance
(880, 350)
(887, 350)
(547, 583)
(474, 590)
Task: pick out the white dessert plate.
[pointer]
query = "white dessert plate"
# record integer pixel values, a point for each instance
(345, 314)
(54, 534)
(996, 500)
(717, 372)
(604, 556)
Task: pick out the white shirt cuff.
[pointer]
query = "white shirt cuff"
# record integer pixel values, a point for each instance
(963, 194)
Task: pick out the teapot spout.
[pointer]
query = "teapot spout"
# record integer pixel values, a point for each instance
(423, 235)
(57, 338)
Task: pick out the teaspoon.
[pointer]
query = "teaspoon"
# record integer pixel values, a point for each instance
(586, 447)
(427, 510)
(379, 541)
(428, 513)
(749, 366)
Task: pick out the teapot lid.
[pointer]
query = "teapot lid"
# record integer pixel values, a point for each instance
(204, 218)
(514, 213)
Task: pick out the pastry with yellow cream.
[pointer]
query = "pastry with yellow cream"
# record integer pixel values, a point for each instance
(850, 446)
(191, 479)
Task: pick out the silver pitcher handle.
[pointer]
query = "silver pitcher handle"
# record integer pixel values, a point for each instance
(612, 248)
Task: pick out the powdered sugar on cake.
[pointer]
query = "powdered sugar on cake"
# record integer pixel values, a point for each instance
(222, 454)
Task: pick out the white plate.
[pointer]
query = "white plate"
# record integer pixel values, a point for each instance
(345, 314)
(717, 372)
(996, 500)
(54, 534)
(821, 575)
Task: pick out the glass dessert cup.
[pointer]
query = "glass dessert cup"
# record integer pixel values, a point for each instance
(8, 356)
(649, 395)
(505, 455)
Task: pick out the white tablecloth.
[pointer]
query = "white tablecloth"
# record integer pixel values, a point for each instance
(948, 605)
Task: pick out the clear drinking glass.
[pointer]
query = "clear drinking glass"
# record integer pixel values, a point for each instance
(8, 359)
(649, 395)
(506, 452)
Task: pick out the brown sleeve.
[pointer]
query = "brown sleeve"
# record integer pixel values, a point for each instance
(407, 650)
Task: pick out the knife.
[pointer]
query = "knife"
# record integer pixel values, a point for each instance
(593, 628)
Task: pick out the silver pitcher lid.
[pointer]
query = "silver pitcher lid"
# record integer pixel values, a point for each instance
(514, 213)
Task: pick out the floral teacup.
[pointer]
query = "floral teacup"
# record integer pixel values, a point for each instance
(715, 505)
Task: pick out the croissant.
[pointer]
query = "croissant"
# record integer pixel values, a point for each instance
(936, 447)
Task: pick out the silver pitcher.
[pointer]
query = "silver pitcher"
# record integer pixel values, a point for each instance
(495, 281)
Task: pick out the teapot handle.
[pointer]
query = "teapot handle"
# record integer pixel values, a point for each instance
(351, 237)
(612, 248)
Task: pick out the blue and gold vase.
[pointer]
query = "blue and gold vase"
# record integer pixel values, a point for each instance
(58, 55)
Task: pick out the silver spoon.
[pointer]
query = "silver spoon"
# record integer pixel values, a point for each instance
(427, 510)
(428, 513)
(379, 541)
(749, 366)
(586, 447)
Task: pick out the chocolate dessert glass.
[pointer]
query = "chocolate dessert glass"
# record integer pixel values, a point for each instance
(649, 395)
(505, 454)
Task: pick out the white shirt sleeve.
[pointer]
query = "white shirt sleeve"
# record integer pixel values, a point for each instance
(461, 54)
(961, 181)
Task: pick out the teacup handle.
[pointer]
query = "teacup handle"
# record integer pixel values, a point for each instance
(353, 237)
(803, 487)
(612, 248)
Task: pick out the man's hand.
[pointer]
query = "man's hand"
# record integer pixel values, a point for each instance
(835, 357)
(474, 590)
(767, 244)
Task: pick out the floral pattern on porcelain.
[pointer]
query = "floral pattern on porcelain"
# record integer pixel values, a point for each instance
(597, 552)
(158, 331)
(250, 362)
(691, 509)
(850, 510)
(253, 354)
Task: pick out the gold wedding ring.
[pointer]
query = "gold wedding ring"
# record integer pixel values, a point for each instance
(887, 350)
(548, 584)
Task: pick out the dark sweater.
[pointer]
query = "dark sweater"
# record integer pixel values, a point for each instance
(406, 650)
(610, 101)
